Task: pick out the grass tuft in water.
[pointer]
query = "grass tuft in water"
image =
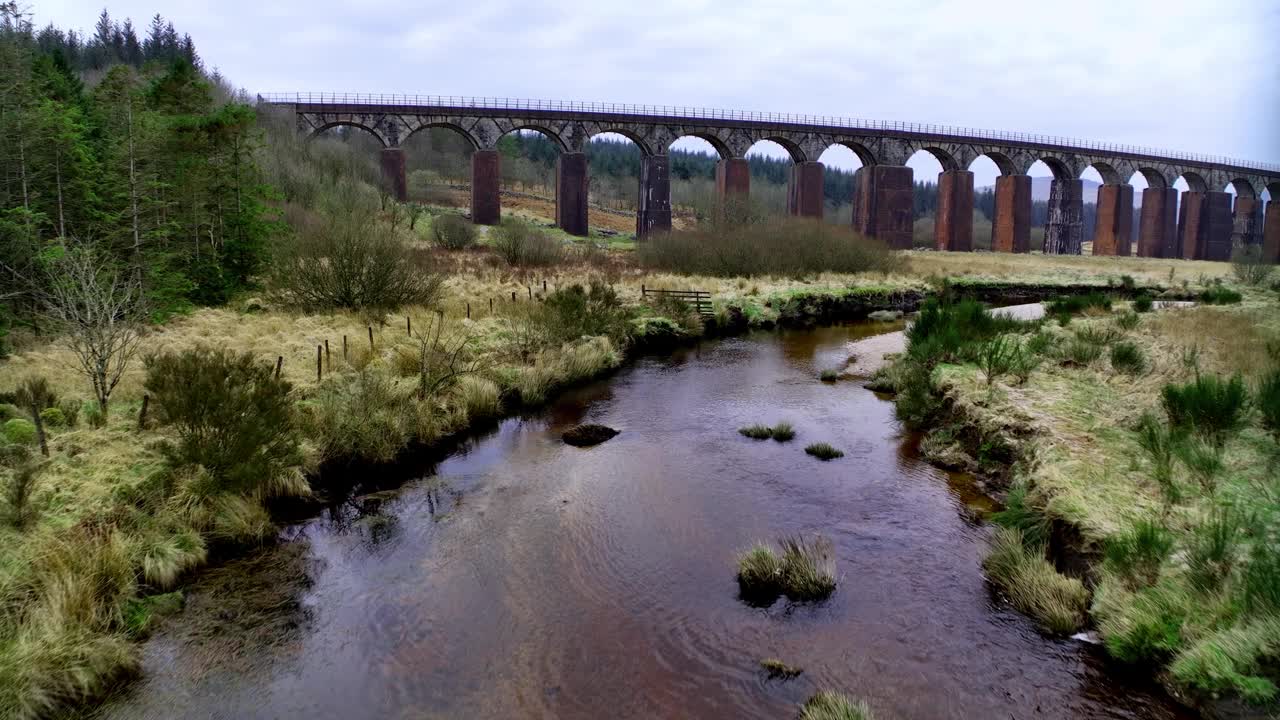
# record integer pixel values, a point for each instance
(804, 572)
(828, 705)
(1032, 584)
(757, 432)
(824, 451)
(782, 432)
(778, 670)
(829, 375)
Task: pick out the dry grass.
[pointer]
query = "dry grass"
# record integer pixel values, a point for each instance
(1061, 268)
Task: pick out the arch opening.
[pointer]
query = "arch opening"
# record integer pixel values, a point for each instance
(1151, 178)
(693, 160)
(528, 163)
(1242, 188)
(841, 161)
(986, 170)
(1057, 169)
(770, 164)
(1102, 173)
(613, 160)
(925, 168)
(1191, 181)
(438, 158)
(342, 132)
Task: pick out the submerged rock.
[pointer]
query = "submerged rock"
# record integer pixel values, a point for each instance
(885, 315)
(586, 435)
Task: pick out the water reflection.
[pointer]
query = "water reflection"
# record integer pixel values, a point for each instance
(599, 582)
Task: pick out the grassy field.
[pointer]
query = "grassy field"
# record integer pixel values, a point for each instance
(1182, 562)
(82, 582)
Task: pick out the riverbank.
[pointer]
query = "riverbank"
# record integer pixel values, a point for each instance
(86, 581)
(1173, 552)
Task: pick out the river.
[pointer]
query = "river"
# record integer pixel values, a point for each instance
(524, 578)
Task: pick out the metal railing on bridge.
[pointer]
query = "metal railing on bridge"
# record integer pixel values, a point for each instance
(696, 113)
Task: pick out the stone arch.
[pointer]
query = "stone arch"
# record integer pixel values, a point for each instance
(317, 129)
(543, 130)
(1244, 188)
(716, 143)
(1155, 178)
(1110, 174)
(1003, 162)
(1195, 180)
(640, 140)
(791, 146)
(864, 153)
(411, 131)
(1063, 167)
(946, 157)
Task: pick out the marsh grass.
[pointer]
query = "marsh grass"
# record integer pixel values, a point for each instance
(1138, 554)
(1076, 304)
(828, 705)
(776, 669)
(1128, 358)
(829, 375)
(1081, 352)
(823, 451)
(1143, 304)
(1211, 406)
(782, 432)
(1032, 584)
(756, 432)
(805, 571)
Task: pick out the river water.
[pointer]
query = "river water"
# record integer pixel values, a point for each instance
(524, 578)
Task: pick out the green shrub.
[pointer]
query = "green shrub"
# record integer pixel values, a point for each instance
(1143, 304)
(18, 494)
(1033, 585)
(768, 245)
(1249, 265)
(452, 232)
(364, 416)
(1081, 352)
(1149, 626)
(828, 705)
(1233, 659)
(53, 417)
(823, 451)
(1128, 358)
(1210, 406)
(1041, 343)
(1261, 578)
(1219, 295)
(20, 432)
(756, 432)
(1127, 282)
(917, 402)
(521, 244)
(999, 356)
(944, 331)
(1213, 545)
(1137, 555)
(575, 312)
(782, 432)
(1202, 460)
(351, 261)
(233, 417)
(829, 375)
(1160, 445)
(1268, 401)
(9, 411)
(1128, 320)
(1075, 304)
(71, 411)
(1099, 335)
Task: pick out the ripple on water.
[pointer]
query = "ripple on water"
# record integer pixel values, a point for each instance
(527, 578)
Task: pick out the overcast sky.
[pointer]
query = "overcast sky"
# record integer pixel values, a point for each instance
(1201, 76)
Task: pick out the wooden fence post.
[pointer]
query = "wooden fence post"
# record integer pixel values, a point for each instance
(279, 362)
(142, 414)
(408, 326)
(468, 310)
(530, 291)
(544, 284)
(513, 296)
(344, 348)
(319, 365)
(328, 359)
(371, 338)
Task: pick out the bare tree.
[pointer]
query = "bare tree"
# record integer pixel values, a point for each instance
(99, 310)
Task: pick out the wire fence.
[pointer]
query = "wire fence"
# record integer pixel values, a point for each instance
(827, 122)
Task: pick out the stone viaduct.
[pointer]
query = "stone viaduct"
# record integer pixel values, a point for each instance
(1206, 223)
